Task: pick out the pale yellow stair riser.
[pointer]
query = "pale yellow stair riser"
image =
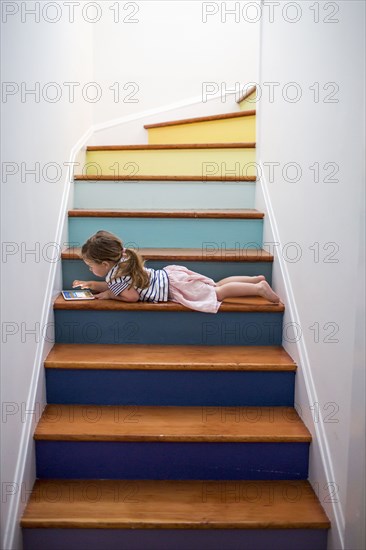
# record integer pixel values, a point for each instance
(249, 103)
(227, 130)
(172, 162)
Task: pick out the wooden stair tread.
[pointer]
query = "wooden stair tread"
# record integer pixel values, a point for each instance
(245, 304)
(247, 94)
(83, 177)
(169, 357)
(200, 119)
(144, 504)
(143, 147)
(190, 254)
(171, 423)
(239, 213)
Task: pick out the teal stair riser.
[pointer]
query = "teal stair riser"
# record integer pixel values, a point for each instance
(172, 232)
(207, 388)
(77, 269)
(168, 327)
(164, 195)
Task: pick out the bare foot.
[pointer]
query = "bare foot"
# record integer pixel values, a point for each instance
(267, 292)
(260, 278)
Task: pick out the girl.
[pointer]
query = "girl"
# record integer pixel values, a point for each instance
(127, 279)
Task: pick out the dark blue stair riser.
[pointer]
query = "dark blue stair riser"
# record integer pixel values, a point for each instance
(171, 460)
(177, 539)
(172, 232)
(168, 327)
(175, 388)
(76, 269)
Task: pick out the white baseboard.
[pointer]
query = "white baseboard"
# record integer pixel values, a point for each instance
(321, 471)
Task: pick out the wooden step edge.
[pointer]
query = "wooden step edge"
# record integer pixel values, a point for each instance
(171, 438)
(176, 504)
(119, 523)
(200, 119)
(244, 305)
(139, 178)
(190, 254)
(132, 423)
(243, 214)
(169, 357)
(247, 94)
(106, 365)
(142, 147)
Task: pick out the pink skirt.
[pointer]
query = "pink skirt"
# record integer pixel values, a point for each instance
(192, 289)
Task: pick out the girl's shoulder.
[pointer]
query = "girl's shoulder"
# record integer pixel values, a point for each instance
(113, 272)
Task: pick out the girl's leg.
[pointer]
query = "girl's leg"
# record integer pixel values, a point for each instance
(241, 279)
(234, 290)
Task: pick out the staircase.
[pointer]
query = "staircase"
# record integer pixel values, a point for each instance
(166, 428)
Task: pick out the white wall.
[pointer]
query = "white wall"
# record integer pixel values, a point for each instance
(170, 52)
(319, 292)
(33, 132)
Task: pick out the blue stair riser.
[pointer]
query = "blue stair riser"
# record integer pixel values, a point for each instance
(76, 269)
(177, 539)
(175, 388)
(164, 194)
(171, 460)
(172, 232)
(168, 327)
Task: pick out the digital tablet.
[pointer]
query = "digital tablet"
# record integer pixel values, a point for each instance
(84, 294)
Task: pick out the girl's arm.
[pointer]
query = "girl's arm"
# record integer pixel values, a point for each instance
(98, 286)
(128, 295)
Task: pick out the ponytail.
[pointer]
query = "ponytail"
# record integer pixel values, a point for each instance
(134, 268)
(104, 246)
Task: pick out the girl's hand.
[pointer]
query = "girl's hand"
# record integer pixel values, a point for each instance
(83, 284)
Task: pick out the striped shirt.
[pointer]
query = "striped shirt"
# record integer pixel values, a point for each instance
(157, 291)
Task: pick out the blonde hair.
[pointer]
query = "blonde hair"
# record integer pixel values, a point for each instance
(106, 247)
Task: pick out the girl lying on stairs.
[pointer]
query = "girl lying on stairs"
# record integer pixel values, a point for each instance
(127, 279)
